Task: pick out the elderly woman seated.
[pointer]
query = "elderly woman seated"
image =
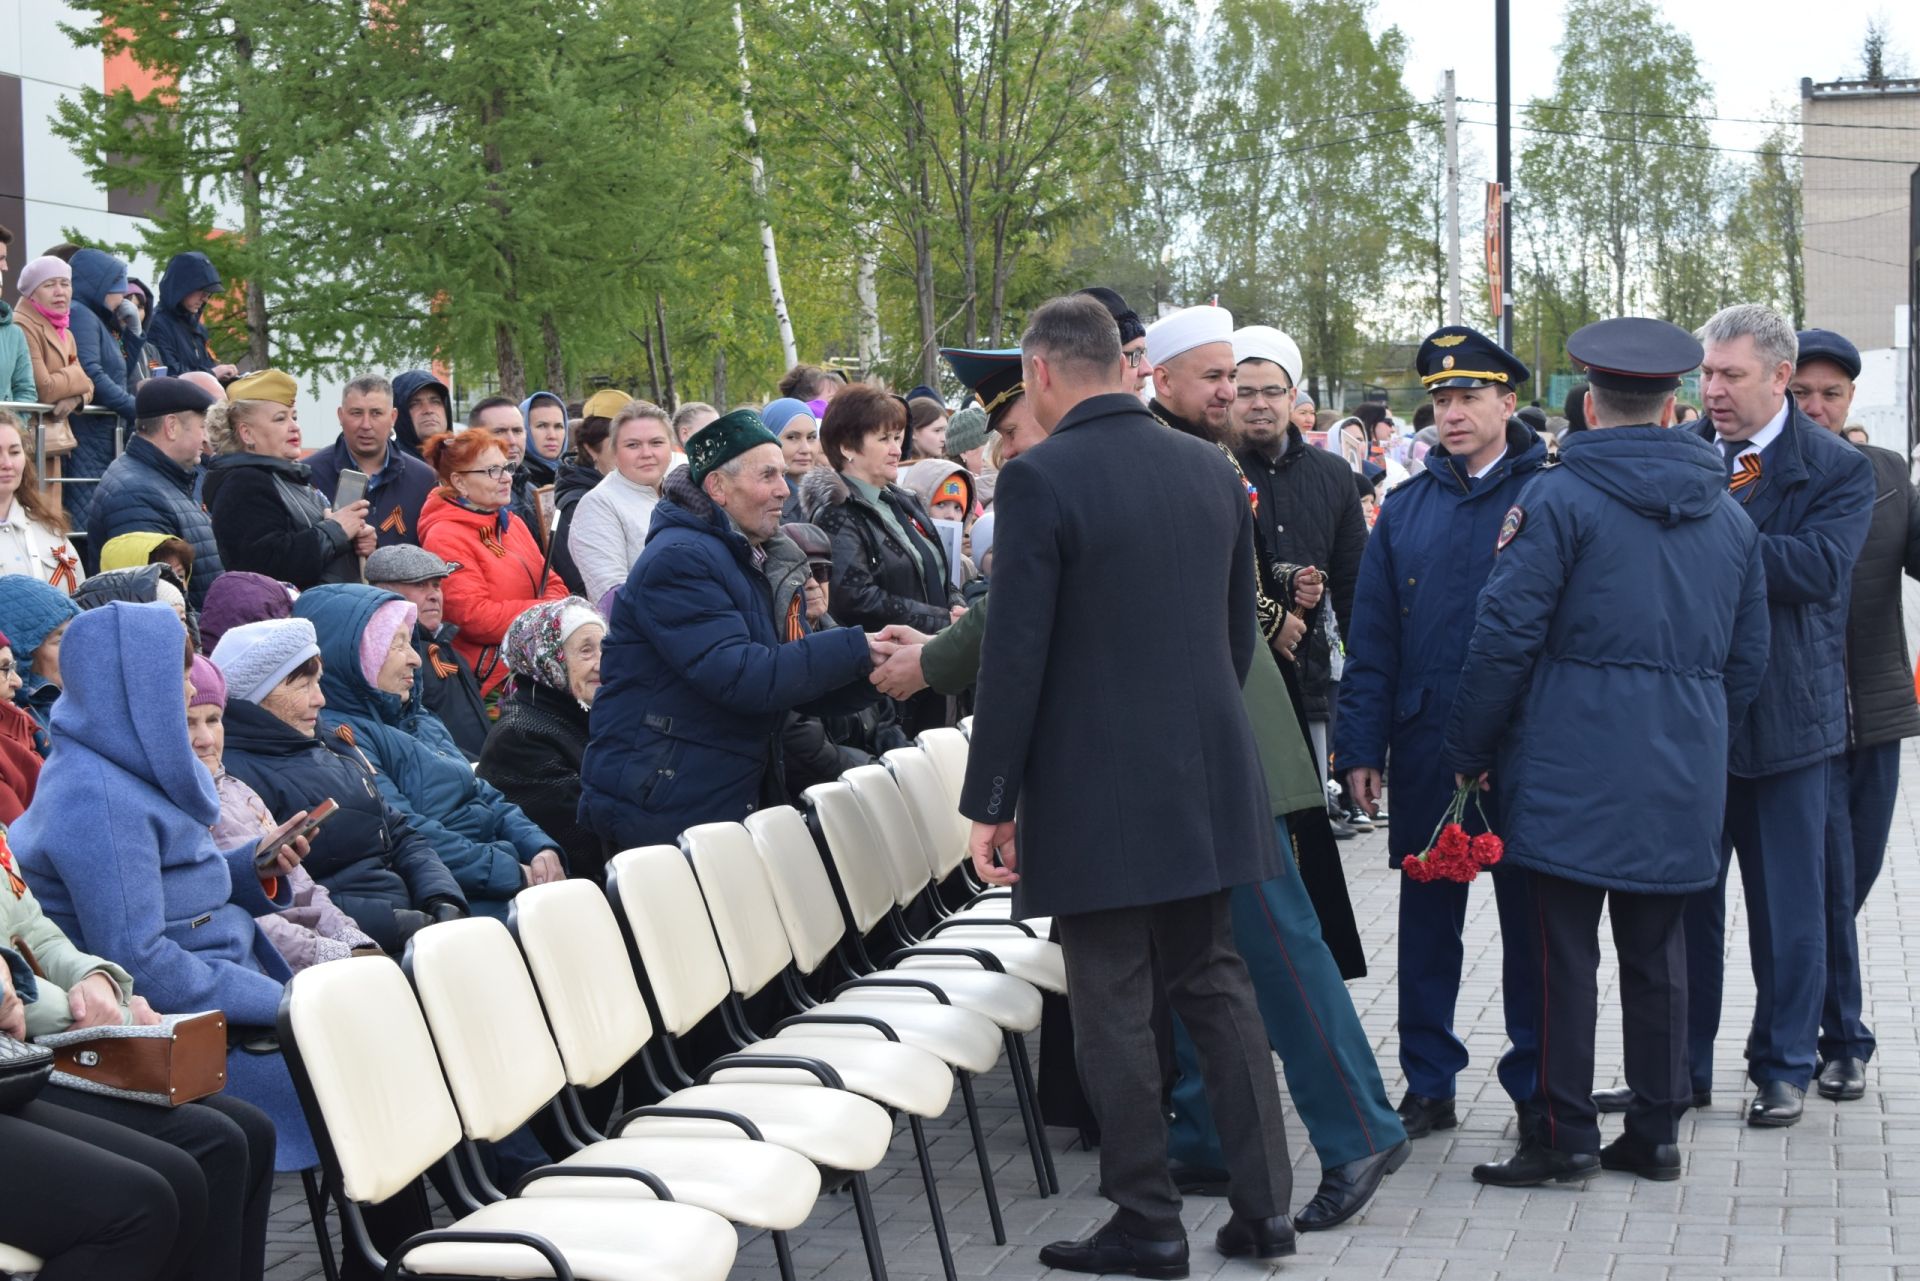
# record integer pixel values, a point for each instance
(371, 684)
(118, 845)
(533, 751)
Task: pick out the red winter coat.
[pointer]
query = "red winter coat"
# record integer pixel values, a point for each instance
(500, 576)
(19, 763)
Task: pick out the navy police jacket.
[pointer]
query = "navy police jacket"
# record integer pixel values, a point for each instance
(1431, 552)
(1622, 631)
(1812, 505)
(695, 680)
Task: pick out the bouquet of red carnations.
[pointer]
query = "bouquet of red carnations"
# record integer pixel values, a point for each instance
(1452, 855)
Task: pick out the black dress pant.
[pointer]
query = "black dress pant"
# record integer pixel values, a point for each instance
(1110, 959)
(232, 1143)
(94, 1199)
(1650, 943)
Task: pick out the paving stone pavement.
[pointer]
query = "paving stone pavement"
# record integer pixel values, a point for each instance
(1836, 1196)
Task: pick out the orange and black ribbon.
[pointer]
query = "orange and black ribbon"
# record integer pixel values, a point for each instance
(1746, 474)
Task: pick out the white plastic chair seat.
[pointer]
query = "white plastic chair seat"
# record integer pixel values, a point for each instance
(1012, 1003)
(968, 1041)
(762, 1185)
(828, 1127)
(1001, 909)
(1035, 960)
(887, 1072)
(13, 1259)
(651, 1241)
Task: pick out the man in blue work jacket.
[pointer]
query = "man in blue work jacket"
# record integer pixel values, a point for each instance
(1431, 551)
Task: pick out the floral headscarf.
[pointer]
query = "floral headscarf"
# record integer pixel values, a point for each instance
(534, 640)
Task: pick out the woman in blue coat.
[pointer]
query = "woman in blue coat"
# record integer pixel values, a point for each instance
(117, 847)
(490, 846)
(99, 284)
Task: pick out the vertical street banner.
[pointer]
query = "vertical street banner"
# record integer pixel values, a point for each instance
(1496, 248)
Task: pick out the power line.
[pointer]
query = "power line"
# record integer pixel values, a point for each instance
(1835, 253)
(1682, 115)
(1878, 213)
(1707, 146)
(1271, 155)
(1295, 125)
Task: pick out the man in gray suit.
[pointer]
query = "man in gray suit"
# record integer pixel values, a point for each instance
(1120, 740)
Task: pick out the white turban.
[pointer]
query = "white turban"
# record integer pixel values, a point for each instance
(1264, 342)
(1184, 330)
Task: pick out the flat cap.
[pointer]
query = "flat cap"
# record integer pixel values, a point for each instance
(158, 397)
(1824, 344)
(406, 563)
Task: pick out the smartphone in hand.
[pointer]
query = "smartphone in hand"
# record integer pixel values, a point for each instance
(265, 859)
(352, 487)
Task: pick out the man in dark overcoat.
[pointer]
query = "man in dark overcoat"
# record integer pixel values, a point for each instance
(1606, 737)
(1811, 496)
(1125, 752)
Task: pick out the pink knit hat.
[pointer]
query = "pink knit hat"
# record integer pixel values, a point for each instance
(209, 686)
(394, 616)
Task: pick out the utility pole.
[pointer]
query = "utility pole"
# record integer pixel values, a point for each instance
(758, 167)
(1453, 206)
(1503, 134)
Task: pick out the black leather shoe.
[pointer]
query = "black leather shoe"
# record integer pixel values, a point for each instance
(1843, 1079)
(1342, 830)
(1621, 1098)
(1659, 1161)
(1198, 1180)
(1345, 1189)
(1112, 1249)
(1270, 1238)
(1533, 1165)
(1777, 1103)
(1422, 1115)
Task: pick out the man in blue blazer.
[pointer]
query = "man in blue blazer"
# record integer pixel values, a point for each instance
(1810, 494)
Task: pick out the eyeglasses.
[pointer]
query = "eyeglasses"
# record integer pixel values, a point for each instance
(491, 473)
(822, 572)
(1134, 357)
(6, 669)
(1264, 393)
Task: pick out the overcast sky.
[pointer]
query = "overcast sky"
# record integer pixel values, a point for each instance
(1754, 52)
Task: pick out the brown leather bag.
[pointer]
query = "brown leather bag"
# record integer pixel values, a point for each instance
(177, 1060)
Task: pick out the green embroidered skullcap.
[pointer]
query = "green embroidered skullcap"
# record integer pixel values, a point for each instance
(725, 439)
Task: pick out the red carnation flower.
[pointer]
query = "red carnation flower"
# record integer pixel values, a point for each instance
(1417, 868)
(1453, 841)
(1487, 849)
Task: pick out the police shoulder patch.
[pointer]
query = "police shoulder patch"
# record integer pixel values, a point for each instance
(1510, 527)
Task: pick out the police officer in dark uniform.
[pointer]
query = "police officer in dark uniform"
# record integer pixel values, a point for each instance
(1623, 628)
(1430, 553)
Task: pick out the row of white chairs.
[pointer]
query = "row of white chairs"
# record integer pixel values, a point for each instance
(520, 1031)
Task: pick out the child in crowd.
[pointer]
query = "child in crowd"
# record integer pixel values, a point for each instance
(312, 930)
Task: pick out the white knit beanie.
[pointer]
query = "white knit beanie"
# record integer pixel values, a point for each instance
(256, 657)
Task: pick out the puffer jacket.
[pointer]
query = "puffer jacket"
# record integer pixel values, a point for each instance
(1880, 688)
(696, 681)
(1812, 505)
(1588, 718)
(176, 337)
(146, 490)
(96, 339)
(876, 580)
(367, 856)
(1431, 551)
(502, 572)
(482, 837)
(269, 519)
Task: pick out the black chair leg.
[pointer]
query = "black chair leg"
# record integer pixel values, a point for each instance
(869, 1230)
(1039, 1121)
(980, 1155)
(783, 1254)
(317, 1210)
(1029, 1118)
(934, 1211)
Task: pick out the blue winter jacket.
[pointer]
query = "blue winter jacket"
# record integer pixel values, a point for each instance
(397, 491)
(480, 835)
(1623, 630)
(117, 848)
(96, 340)
(175, 335)
(1812, 506)
(695, 680)
(1429, 556)
(143, 489)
